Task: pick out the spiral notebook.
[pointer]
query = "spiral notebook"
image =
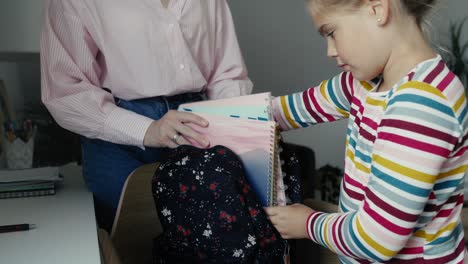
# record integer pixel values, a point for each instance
(29, 182)
(244, 125)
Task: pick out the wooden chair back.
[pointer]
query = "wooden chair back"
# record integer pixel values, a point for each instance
(136, 222)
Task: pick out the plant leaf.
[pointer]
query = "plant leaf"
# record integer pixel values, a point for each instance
(460, 27)
(463, 49)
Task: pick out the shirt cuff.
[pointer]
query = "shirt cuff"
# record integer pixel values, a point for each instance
(126, 127)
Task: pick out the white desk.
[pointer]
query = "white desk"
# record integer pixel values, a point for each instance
(66, 230)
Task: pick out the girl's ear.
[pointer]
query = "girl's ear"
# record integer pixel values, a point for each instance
(379, 10)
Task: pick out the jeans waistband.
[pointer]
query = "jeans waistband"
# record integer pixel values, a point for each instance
(188, 97)
(185, 97)
(156, 107)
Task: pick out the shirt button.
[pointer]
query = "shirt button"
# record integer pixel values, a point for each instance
(182, 66)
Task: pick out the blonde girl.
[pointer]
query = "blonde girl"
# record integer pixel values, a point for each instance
(402, 188)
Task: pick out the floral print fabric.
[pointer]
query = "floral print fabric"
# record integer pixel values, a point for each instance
(209, 212)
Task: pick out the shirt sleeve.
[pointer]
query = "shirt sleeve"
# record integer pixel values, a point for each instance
(329, 101)
(71, 80)
(417, 134)
(229, 76)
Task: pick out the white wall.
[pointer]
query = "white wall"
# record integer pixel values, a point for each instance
(284, 54)
(20, 24)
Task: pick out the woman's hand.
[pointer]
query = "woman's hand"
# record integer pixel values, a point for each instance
(171, 130)
(290, 221)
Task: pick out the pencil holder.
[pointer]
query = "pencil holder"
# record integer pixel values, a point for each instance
(19, 154)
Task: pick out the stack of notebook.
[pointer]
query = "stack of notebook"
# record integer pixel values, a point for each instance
(244, 124)
(29, 182)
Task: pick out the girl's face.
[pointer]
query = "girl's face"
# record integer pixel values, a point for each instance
(353, 40)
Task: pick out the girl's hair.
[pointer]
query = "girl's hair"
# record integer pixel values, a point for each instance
(419, 9)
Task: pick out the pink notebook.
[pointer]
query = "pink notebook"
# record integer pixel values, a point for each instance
(251, 135)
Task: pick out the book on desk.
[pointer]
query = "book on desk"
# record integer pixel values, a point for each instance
(29, 182)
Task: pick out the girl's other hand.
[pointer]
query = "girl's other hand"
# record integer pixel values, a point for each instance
(171, 130)
(290, 221)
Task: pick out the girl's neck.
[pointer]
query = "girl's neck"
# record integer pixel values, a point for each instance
(409, 53)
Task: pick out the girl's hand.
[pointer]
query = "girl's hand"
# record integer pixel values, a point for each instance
(290, 221)
(171, 131)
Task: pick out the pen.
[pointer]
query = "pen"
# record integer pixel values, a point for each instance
(18, 227)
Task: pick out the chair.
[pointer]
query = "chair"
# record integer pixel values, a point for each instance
(106, 247)
(136, 222)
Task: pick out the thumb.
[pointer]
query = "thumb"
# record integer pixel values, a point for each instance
(270, 210)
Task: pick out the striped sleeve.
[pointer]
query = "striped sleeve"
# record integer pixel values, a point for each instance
(329, 101)
(419, 132)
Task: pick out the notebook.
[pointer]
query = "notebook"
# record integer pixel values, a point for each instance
(29, 182)
(27, 193)
(252, 107)
(244, 125)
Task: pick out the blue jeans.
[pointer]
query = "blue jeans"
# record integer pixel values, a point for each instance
(107, 165)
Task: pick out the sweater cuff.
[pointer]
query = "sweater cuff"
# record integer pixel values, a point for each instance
(278, 114)
(310, 225)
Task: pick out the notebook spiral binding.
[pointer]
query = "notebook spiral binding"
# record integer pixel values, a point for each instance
(273, 168)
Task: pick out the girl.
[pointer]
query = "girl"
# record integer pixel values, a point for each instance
(402, 189)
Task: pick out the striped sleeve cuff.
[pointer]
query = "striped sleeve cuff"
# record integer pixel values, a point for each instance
(310, 225)
(278, 114)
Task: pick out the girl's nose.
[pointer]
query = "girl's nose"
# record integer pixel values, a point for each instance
(331, 49)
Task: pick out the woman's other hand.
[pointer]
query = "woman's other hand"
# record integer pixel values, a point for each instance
(171, 130)
(290, 221)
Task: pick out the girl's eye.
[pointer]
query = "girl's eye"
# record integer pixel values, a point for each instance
(331, 34)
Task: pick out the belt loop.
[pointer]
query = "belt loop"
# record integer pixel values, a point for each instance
(167, 103)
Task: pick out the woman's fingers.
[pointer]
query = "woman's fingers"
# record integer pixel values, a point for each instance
(188, 133)
(185, 117)
(172, 130)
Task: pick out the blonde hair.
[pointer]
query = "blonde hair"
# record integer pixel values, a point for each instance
(419, 9)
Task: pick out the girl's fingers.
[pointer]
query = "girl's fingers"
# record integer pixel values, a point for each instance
(270, 211)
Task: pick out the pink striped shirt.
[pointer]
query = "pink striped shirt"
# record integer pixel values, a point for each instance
(136, 49)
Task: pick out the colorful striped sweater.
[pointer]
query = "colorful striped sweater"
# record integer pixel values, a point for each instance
(402, 188)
